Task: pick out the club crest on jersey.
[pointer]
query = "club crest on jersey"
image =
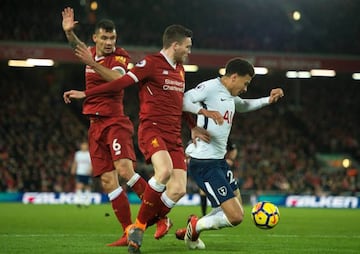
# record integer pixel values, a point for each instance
(120, 59)
(142, 63)
(222, 191)
(165, 72)
(155, 142)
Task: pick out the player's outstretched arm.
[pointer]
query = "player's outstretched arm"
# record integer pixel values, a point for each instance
(68, 24)
(275, 95)
(73, 94)
(246, 105)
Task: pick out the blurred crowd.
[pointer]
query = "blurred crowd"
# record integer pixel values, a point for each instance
(277, 145)
(246, 25)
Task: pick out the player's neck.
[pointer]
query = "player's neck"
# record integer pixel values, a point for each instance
(169, 55)
(223, 81)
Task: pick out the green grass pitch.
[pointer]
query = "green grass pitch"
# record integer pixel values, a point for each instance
(68, 229)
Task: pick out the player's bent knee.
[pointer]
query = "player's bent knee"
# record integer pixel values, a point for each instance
(124, 168)
(175, 193)
(178, 195)
(108, 183)
(164, 175)
(236, 221)
(237, 218)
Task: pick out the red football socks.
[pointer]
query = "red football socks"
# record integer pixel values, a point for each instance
(121, 209)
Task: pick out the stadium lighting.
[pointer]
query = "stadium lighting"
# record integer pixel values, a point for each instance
(356, 76)
(261, 70)
(304, 74)
(291, 74)
(19, 63)
(258, 71)
(31, 62)
(191, 68)
(323, 73)
(298, 74)
(40, 62)
(346, 163)
(296, 15)
(222, 71)
(94, 6)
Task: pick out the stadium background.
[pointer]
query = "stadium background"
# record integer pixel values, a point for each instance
(296, 147)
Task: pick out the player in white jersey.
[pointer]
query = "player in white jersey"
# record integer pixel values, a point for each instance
(207, 164)
(81, 168)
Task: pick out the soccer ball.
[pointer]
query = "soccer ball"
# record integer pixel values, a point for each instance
(265, 215)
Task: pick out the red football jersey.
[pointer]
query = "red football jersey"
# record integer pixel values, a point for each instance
(110, 104)
(161, 91)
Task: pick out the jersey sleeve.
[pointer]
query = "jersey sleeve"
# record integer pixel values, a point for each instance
(119, 61)
(114, 86)
(141, 71)
(193, 97)
(246, 105)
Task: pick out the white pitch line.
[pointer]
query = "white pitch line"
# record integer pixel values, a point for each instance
(316, 236)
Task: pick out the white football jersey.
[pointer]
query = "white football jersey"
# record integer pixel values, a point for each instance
(83, 163)
(213, 95)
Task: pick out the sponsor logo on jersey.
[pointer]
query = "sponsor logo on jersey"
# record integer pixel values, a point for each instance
(174, 85)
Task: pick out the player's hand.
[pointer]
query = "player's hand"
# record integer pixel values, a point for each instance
(275, 95)
(84, 54)
(68, 22)
(215, 115)
(200, 133)
(73, 94)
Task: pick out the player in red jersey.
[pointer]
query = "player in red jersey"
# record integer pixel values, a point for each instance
(110, 133)
(162, 83)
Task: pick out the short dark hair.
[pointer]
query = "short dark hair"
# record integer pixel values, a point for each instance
(106, 24)
(240, 67)
(175, 33)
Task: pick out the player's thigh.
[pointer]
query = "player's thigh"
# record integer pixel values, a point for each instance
(163, 166)
(210, 175)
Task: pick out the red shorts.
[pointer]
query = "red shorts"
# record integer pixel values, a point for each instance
(153, 138)
(110, 139)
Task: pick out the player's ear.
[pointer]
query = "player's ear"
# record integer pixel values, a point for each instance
(94, 38)
(234, 77)
(175, 45)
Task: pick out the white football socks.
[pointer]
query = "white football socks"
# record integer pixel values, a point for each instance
(215, 220)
